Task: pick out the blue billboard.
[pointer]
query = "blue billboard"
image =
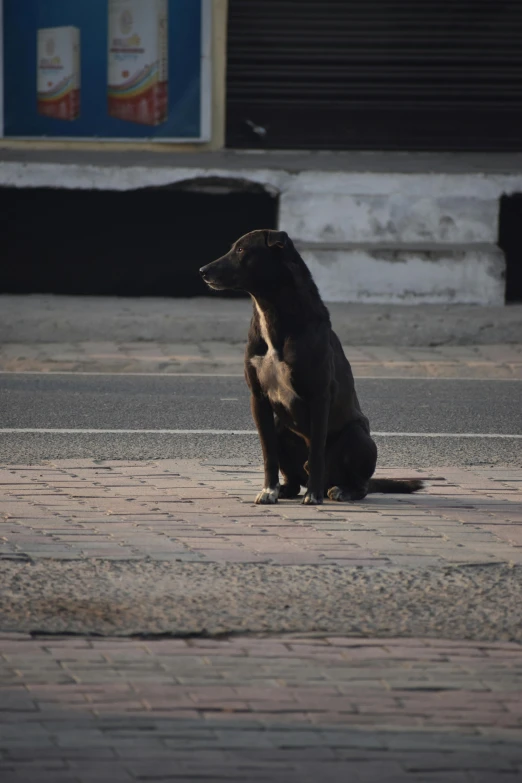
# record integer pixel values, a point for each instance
(109, 69)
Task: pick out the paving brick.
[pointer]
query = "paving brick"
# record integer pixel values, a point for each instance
(407, 687)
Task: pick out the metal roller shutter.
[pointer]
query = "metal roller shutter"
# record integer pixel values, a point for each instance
(375, 74)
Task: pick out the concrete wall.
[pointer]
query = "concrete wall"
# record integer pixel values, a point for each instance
(368, 237)
(399, 238)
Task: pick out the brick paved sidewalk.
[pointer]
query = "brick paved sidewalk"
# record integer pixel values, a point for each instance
(183, 510)
(280, 709)
(80, 710)
(472, 361)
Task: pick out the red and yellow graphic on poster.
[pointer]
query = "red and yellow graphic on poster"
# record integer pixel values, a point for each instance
(58, 72)
(138, 61)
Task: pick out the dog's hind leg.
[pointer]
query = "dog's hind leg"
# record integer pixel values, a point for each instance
(350, 464)
(292, 454)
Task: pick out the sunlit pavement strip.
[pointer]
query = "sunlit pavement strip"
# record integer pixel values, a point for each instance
(224, 359)
(170, 508)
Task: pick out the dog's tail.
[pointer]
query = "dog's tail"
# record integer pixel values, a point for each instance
(397, 486)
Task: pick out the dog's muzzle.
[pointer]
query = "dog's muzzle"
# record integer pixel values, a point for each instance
(208, 278)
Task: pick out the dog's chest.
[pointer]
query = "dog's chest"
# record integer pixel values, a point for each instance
(275, 379)
(274, 375)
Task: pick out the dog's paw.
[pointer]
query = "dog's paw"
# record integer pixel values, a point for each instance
(313, 498)
(346, 495)
(268, 495)
(336, 493)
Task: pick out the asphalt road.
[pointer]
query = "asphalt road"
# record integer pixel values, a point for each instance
(458, 408)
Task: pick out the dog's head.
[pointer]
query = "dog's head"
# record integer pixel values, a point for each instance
(256, 263)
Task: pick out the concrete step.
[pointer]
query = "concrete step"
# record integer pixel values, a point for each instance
(375, 273)
(376, 211)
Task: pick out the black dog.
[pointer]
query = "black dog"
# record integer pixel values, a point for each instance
(303, 394)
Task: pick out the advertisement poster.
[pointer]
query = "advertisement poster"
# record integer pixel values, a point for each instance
(113, 69)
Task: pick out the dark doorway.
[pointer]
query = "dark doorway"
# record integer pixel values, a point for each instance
(148, 242)
(510, 240)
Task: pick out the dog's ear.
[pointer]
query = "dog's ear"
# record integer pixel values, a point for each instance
(276, 238)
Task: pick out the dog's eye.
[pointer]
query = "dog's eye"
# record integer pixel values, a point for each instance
(239, 250)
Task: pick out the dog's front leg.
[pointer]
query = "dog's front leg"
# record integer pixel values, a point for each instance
(264, 419)
(316, 459)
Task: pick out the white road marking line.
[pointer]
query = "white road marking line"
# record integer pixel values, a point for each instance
(83, 431)
(91, 431)
(445, 435)
(51, 373)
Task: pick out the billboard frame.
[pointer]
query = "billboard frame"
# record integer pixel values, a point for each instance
(205, 96)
